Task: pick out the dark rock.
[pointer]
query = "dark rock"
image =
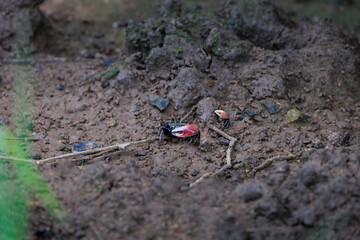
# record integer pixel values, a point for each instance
(247, 112)
(82, 146)
(109, 61)
(345, 138)
(60, 87)
(224, 142)
(194, 172)
(36, 157)
(159, 102)
(270, 107)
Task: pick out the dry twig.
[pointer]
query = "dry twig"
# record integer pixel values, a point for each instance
(189, 113)
(228, 156)
(15, 159)
(96, 150)
(269, 161)
(89, 157)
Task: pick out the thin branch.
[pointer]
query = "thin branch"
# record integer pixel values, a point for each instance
(227, 166)
(199, 180)
(21, 139)
(25, 61)
(228, 152)
(15, 159)
(96, 150)
(189, 113)
(225, 135)
(228, 157)
(89, 157)
(269, 161)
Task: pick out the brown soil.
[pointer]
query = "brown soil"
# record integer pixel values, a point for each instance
(143, 192)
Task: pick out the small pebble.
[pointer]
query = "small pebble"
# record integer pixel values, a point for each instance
(60, 87)
(247, 112)
(160, 103)
(224, 142)
(194, 172)
(36, 157)
(270, 107)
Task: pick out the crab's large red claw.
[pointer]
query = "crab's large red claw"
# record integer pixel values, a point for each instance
(222, 114)
(185, 131)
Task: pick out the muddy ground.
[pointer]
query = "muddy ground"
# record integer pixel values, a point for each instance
(245, 57)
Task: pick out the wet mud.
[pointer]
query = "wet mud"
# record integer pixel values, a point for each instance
(288, 87)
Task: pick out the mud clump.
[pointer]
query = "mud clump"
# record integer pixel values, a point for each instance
(315, 200)
(246, 57)
(19, 21)
(254, 46)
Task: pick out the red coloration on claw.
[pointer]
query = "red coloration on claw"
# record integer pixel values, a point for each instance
(222, 114)
(186, 131)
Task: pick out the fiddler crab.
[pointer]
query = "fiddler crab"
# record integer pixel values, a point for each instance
(223, 117)
(181, 130)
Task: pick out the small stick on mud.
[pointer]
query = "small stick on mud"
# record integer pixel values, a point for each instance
(269, 161)
(228, 156)
(225, 135)
(96, 150)
(199, 180)
(21, 139)
(91, 156)
(189, 113)
(25, 61)
(15, 159)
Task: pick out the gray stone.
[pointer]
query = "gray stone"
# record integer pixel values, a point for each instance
(206, 107)
(160, 103)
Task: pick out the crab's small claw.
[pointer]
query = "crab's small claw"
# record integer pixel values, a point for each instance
(223, 117)
(222, 114)
(185, 131)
